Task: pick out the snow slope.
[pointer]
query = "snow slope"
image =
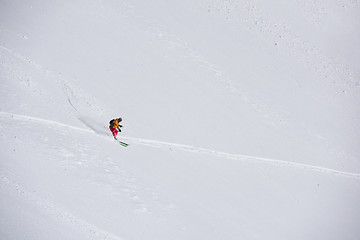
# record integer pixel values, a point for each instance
(242, 119)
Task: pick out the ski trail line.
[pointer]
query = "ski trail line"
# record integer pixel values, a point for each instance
(55, 211)
(43, 121)
(241, 157)
(188, 148)
(24, 59)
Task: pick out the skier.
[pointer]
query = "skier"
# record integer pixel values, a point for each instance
(115, 126)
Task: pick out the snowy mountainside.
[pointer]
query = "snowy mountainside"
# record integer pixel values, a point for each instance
(241, 118)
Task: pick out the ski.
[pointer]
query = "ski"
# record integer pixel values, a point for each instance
(122, 143)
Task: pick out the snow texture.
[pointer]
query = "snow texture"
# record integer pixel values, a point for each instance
(242, 119)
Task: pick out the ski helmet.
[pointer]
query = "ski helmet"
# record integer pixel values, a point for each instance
(120, 119)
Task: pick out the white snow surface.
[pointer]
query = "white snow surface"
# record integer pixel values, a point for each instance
(242, 119)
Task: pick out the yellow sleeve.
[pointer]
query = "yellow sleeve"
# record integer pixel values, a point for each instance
(116, 124)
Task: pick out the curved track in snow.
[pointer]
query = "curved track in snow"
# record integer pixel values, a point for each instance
(241, 157)
(188, 148)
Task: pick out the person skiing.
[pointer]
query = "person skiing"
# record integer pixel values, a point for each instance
(115, 126)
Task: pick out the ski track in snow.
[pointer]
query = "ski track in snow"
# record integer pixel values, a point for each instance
(188, 148)
(242, 157)
(55, 211)
(41, 120)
